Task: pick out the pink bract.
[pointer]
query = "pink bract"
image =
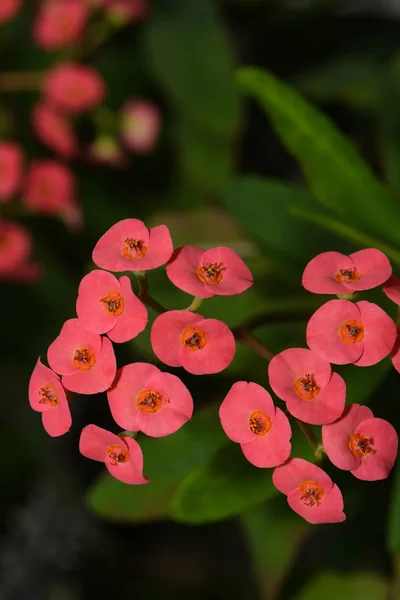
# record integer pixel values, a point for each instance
(47, 395)
(60, 23)
(140, 125)
(54, 130)
(204, 273)
(360, 443)
(392, 289)
(122, 456)
(249, 417)
(310, 491)
(145, 399)
(335, 273)
(85, 360)
(306, 383)
(130, 246)
(369, 331)
(9, 9)
(180, 338)
(106, 305)
(15, 252)
(11, 159)
(74, 88)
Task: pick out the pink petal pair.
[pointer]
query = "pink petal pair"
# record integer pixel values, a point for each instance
(343, 332)
(122, 456)
(336, 273)
(249, 417)
(306, 383)
(310, 492)
(108, 305)
(130, 246)
(360, 443)
(204, 273)
(47, 395)
(85, 360)
(73, 88)
(9, 9)
(145, 399)
(60, 23)
(180, 338)
(11, 162)
(54, 130)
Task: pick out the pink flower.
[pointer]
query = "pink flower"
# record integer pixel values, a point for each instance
(54, 130)
(106, 305)
(9, 9)
(140, 125)
(359, 443)
(145, 399)
(306, 383)
(122, 456)
(335, 273)
(126, 10)
(395, 354)
(85, 360)
(11, 159)
(249, 417)
(392, 289)
(180, 338)
(15, 252)
(50, 190)
(310, 492)
(60, 23)
(130, 246)
(47, 395)
(74, 88)
(204, 273)
(342, 332)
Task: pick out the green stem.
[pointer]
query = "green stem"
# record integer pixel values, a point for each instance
(283, 313)
(311, 437)
(144, 295)
(254, 343)
(196, 303)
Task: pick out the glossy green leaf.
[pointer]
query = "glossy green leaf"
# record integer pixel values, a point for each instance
(336, 174)
(355, 586)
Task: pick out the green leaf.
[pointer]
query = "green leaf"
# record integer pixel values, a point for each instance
(167, 461)
(357, 586)
(224, 487)
(337, 175)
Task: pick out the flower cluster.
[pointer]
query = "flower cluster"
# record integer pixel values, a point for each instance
(144, 399)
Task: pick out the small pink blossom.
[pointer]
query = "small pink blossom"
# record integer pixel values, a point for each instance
(15, 254)
(180, 338)
(85, 360)
(74, 88)
(9, 9)
(130, 246)
(47, 395)
(106, 305)
(140, 125)
(249, 417)
(335, 273)
(11, 159)
(310, 492)
(392, 289)
(360, 443)
(306, 383)
(205, 273)
(343, 332)
(54, 130)
(60, 23)
(145, 399)
(122, 456)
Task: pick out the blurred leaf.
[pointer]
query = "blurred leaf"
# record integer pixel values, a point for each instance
(362, 383)
(223, 487)
(390, 123)
(166, 462)
(357, 586)
(337, 175)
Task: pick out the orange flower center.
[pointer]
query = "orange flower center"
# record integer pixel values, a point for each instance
(84, 359)
(347, 275)
(194, 339)
(117, 455)
(360, 445)
(210, 273)
(311, 493)
(134, 249)
(150, 401)
(49, 395)
(259, 422)
(306, 388)
(113, 304)
(351, 332)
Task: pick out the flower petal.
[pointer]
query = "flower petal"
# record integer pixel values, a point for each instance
(273, 449)
(216, 355)
(130, 472)
(95, 440)
(291, 475)
(72, 336)
(58, 420)
(378, 464)
(373, 266)
(379, 334)
(166, 334)
(134, 318)
(89, 308)
(182, 268)
(319, 274)
(99, 378)
(236, 275)
(324, 408)
(329, 511)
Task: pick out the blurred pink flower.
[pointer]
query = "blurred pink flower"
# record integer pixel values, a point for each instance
(74, 88)
(140, 125)
(11, 164)
(60, 23)
(392, 289)
(9, 9)
(145, 399)
(54, 130)
(249, 417)
(205, 273)
(15, 252)
(122, 456)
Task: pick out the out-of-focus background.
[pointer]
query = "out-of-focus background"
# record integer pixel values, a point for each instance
(240, 160)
